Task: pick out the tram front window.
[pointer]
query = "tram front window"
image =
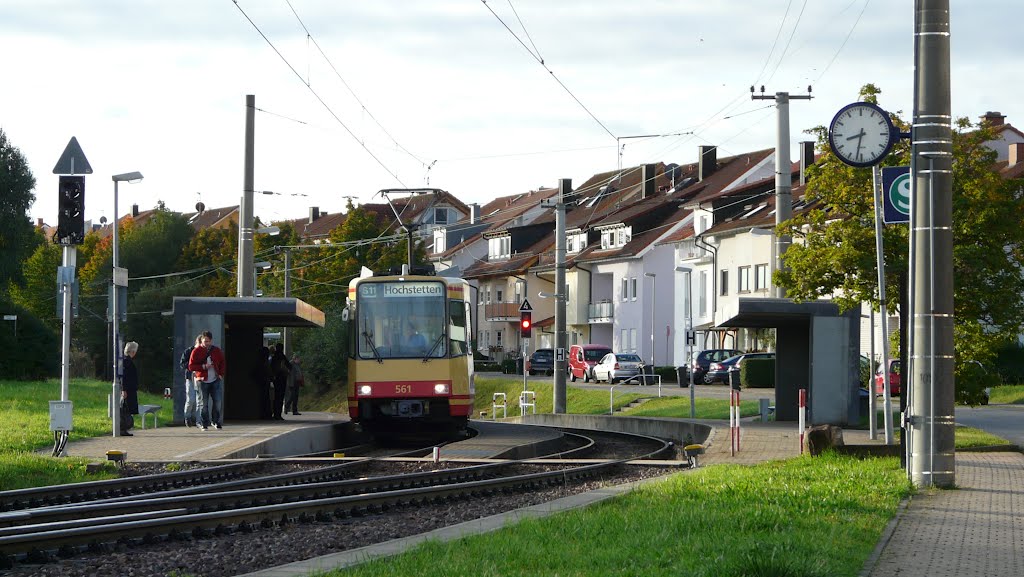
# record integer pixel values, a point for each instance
(401, 320)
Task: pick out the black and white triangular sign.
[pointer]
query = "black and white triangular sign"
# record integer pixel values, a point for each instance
(73, 160)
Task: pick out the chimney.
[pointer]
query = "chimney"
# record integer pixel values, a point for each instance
(314, 213)
(647, 174)
(39, 222)
(806, 159)
(993, 118)
(1015, 153)
(708, 161)
(474, 213)
(135, 210)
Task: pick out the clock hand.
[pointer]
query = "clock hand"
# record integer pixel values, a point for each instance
(859, 135)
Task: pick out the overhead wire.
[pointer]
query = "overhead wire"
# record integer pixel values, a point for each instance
(318, 97)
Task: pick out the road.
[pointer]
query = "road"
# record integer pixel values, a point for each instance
(1006, 421)
(667, 389)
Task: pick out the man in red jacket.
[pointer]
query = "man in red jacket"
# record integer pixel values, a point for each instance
(208, 365)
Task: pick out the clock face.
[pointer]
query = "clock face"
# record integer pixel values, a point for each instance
(861, 134)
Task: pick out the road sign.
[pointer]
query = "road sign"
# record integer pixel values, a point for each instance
(73, 160)
(560, 355)
(896, 194)
(691, 337)
(525, 307)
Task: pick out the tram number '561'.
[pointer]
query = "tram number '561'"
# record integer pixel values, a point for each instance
(403, 389)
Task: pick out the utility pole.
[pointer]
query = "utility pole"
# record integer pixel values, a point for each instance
(783, 173)
(564, 188)
(932, 388)
(245, 210)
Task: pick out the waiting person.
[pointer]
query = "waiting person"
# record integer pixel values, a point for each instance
(295, 382)
(208, 366)
(192, 408)
(129, 388)
(280, 366)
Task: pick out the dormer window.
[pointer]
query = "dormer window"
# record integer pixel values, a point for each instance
(441, 215)
(616, 237)
(575, 241)
(499, 247)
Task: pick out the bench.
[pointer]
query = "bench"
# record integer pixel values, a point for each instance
(148, 410)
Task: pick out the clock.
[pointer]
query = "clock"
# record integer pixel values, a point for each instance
(861, 134)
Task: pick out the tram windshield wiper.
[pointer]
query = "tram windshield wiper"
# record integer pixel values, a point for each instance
(369, 341)
(440, 339)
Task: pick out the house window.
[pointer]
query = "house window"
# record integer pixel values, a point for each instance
(519, 291)
(702, 293)
(498, 295)
(487, 295)
(570, 243)
(607, 239)
(743, 279)
(497, 339)
(632, 340)
(760, 277)
(703, 224)
(625, 290)
(499, 247)
(632, 286)
(723, 284)
(624, 340)
(441, 215)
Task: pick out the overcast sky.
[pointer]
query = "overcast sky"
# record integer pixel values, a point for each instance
(391, 93)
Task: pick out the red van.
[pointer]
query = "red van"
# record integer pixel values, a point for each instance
(582, 359)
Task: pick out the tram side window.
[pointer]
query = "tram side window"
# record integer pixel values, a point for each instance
(457, 313)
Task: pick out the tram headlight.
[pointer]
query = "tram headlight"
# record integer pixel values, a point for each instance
(441, 389)
(365, 390)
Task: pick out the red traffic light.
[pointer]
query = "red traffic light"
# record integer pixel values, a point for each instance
(525, 324)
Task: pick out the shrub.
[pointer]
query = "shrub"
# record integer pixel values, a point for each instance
(1010, 363)
(758, 373)
(31, 354)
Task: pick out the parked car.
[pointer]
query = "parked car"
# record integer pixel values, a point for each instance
(700, 363)
(615, 367)
(582, 359)
(894, 379)
(541, 361)
(718, 372)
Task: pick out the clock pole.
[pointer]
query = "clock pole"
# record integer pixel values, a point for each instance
(783, 174)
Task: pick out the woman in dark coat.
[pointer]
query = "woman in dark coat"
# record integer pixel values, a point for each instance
(129, 388)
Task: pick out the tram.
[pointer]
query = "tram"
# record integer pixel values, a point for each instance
(410, 366)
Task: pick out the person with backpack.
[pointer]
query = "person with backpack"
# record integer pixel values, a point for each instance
(280, 367)
(193, 400)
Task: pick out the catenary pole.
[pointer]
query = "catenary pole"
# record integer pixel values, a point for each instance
(564, 188)
(245, 211)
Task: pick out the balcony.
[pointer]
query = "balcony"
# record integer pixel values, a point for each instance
(502, 312)
(600, 312)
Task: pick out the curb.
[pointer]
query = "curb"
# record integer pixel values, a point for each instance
(890, 529)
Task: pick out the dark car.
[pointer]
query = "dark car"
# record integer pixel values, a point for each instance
(700, 363)
(719, 371)
(541, 361)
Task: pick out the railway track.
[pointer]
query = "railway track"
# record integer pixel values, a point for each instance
(53, 531)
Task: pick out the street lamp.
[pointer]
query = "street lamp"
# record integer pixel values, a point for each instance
(689, 327)
(119, 278)
(654, 287)
(258, 266)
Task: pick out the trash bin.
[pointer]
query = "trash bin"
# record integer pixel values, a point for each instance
(682, 376)
(648, 371)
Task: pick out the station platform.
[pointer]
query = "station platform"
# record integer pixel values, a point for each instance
(237, 440)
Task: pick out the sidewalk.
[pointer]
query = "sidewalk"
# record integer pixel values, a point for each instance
(975, 529)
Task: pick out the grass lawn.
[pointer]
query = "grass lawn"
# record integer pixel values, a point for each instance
(1007, 395)
(25, 428)
(801, 517)
(968, 437)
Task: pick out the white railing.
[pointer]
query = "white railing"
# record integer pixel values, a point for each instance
(527, 399)
(495, 406)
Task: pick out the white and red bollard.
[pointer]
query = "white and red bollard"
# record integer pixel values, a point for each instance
(734, 421)
(167, 392)
(802, 417)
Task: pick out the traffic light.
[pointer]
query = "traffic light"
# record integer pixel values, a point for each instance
(525, 324)
(71, 210)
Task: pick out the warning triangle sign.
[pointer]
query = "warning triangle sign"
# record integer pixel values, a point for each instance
(73, 160)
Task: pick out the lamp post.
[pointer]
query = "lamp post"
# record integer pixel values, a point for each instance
(119, 278)
(688, 302)
(257, 266)
(654, 288)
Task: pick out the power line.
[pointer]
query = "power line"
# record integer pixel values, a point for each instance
(317, 96)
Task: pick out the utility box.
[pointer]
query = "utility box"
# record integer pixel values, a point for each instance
(60, 415)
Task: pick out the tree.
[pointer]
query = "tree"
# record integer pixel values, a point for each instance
(836, 257)
(16, 184)
(38, 291)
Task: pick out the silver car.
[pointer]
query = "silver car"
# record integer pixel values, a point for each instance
(615, 367)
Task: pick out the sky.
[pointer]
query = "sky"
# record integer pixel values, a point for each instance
(482, 99)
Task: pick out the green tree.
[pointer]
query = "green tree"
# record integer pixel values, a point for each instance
(834, 255)
(215, 252)
(38, 291)
(16, 184)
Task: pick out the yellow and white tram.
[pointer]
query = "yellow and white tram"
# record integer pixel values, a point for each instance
(410, 364)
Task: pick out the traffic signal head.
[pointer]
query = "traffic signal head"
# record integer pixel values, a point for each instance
(71, 210)
(525, 324)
